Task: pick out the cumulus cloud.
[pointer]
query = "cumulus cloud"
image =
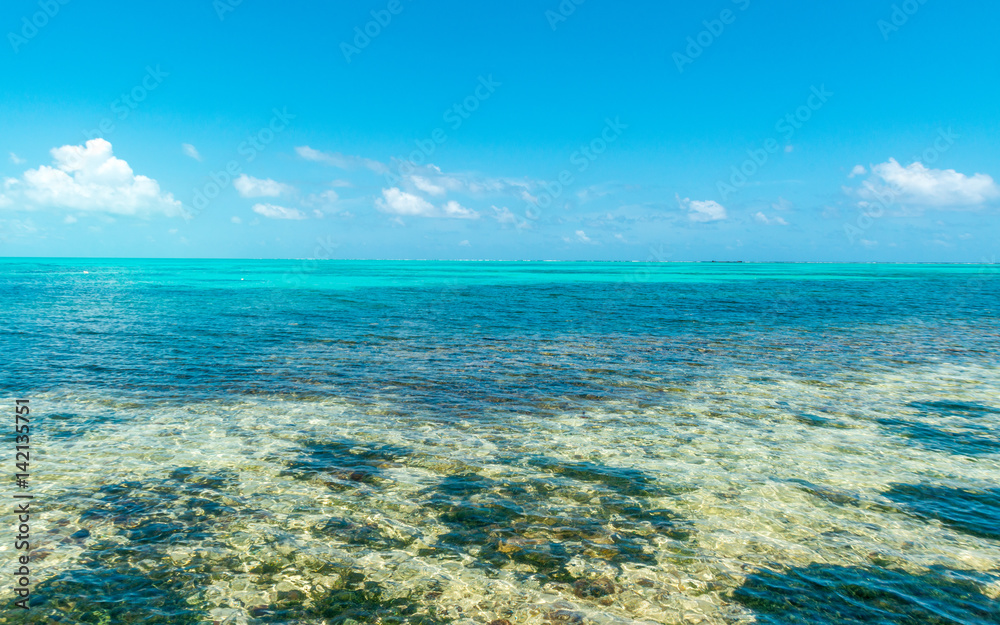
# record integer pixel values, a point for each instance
(582, 236)
(342, 161)
(702, 211)
(918, 185)
(457, 211)
(397, 202)
(90, 178)
(277, 212)
(859, 170)
(248, 186)
(191, 151)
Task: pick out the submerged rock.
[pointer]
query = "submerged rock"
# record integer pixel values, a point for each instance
(620, 480)
(593, 588)
(564, 616)
(970, 511)
(843, 595)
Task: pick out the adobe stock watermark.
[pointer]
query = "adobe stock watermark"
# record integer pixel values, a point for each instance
(987, 273)
(296, 278)
(887, 196)
(970, 289)
(123, 106)
(454, 117)
(581, 160)
(787, 126)
(562, 13)
(33, 24)
(249, 150)
(626, 290)
(363, 35)
(714, 28)
(223, 7)
(901, 14)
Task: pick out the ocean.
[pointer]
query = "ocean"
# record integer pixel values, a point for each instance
(504, 442)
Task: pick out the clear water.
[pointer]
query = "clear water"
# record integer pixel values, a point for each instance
(410, 442)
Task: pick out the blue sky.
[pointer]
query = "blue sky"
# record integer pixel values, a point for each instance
(716, 130)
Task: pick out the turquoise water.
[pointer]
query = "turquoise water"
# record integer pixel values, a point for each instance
(441, 442)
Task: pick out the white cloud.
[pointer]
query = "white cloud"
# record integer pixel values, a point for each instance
(90, 178)
(782, 205)
(69, 219)
(16, 228)
(342, 161)
(248, 186)
(427, 186)
(464, 243)
(14, 158)
(326, 199)
(397, 202)
(918, 185)
(582, 236)
(859, 170)
(191, 151)
(277, 212)
(431, 180)
(504, 215)
(762, 218)
(235, 220)
(594, 192)
(703, 211)
(340, 183)
(5, 201)
(426, 180)
(318, 214)
(457, 211)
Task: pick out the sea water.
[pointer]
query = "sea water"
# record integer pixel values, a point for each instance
(444, 442)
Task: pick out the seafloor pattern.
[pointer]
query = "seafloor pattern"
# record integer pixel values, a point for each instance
(508, 443)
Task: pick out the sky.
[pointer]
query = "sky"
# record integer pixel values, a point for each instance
(855, 131)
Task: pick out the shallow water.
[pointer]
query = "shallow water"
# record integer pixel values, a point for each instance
(302, 442)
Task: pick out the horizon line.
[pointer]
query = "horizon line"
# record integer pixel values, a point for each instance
(500, 260)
